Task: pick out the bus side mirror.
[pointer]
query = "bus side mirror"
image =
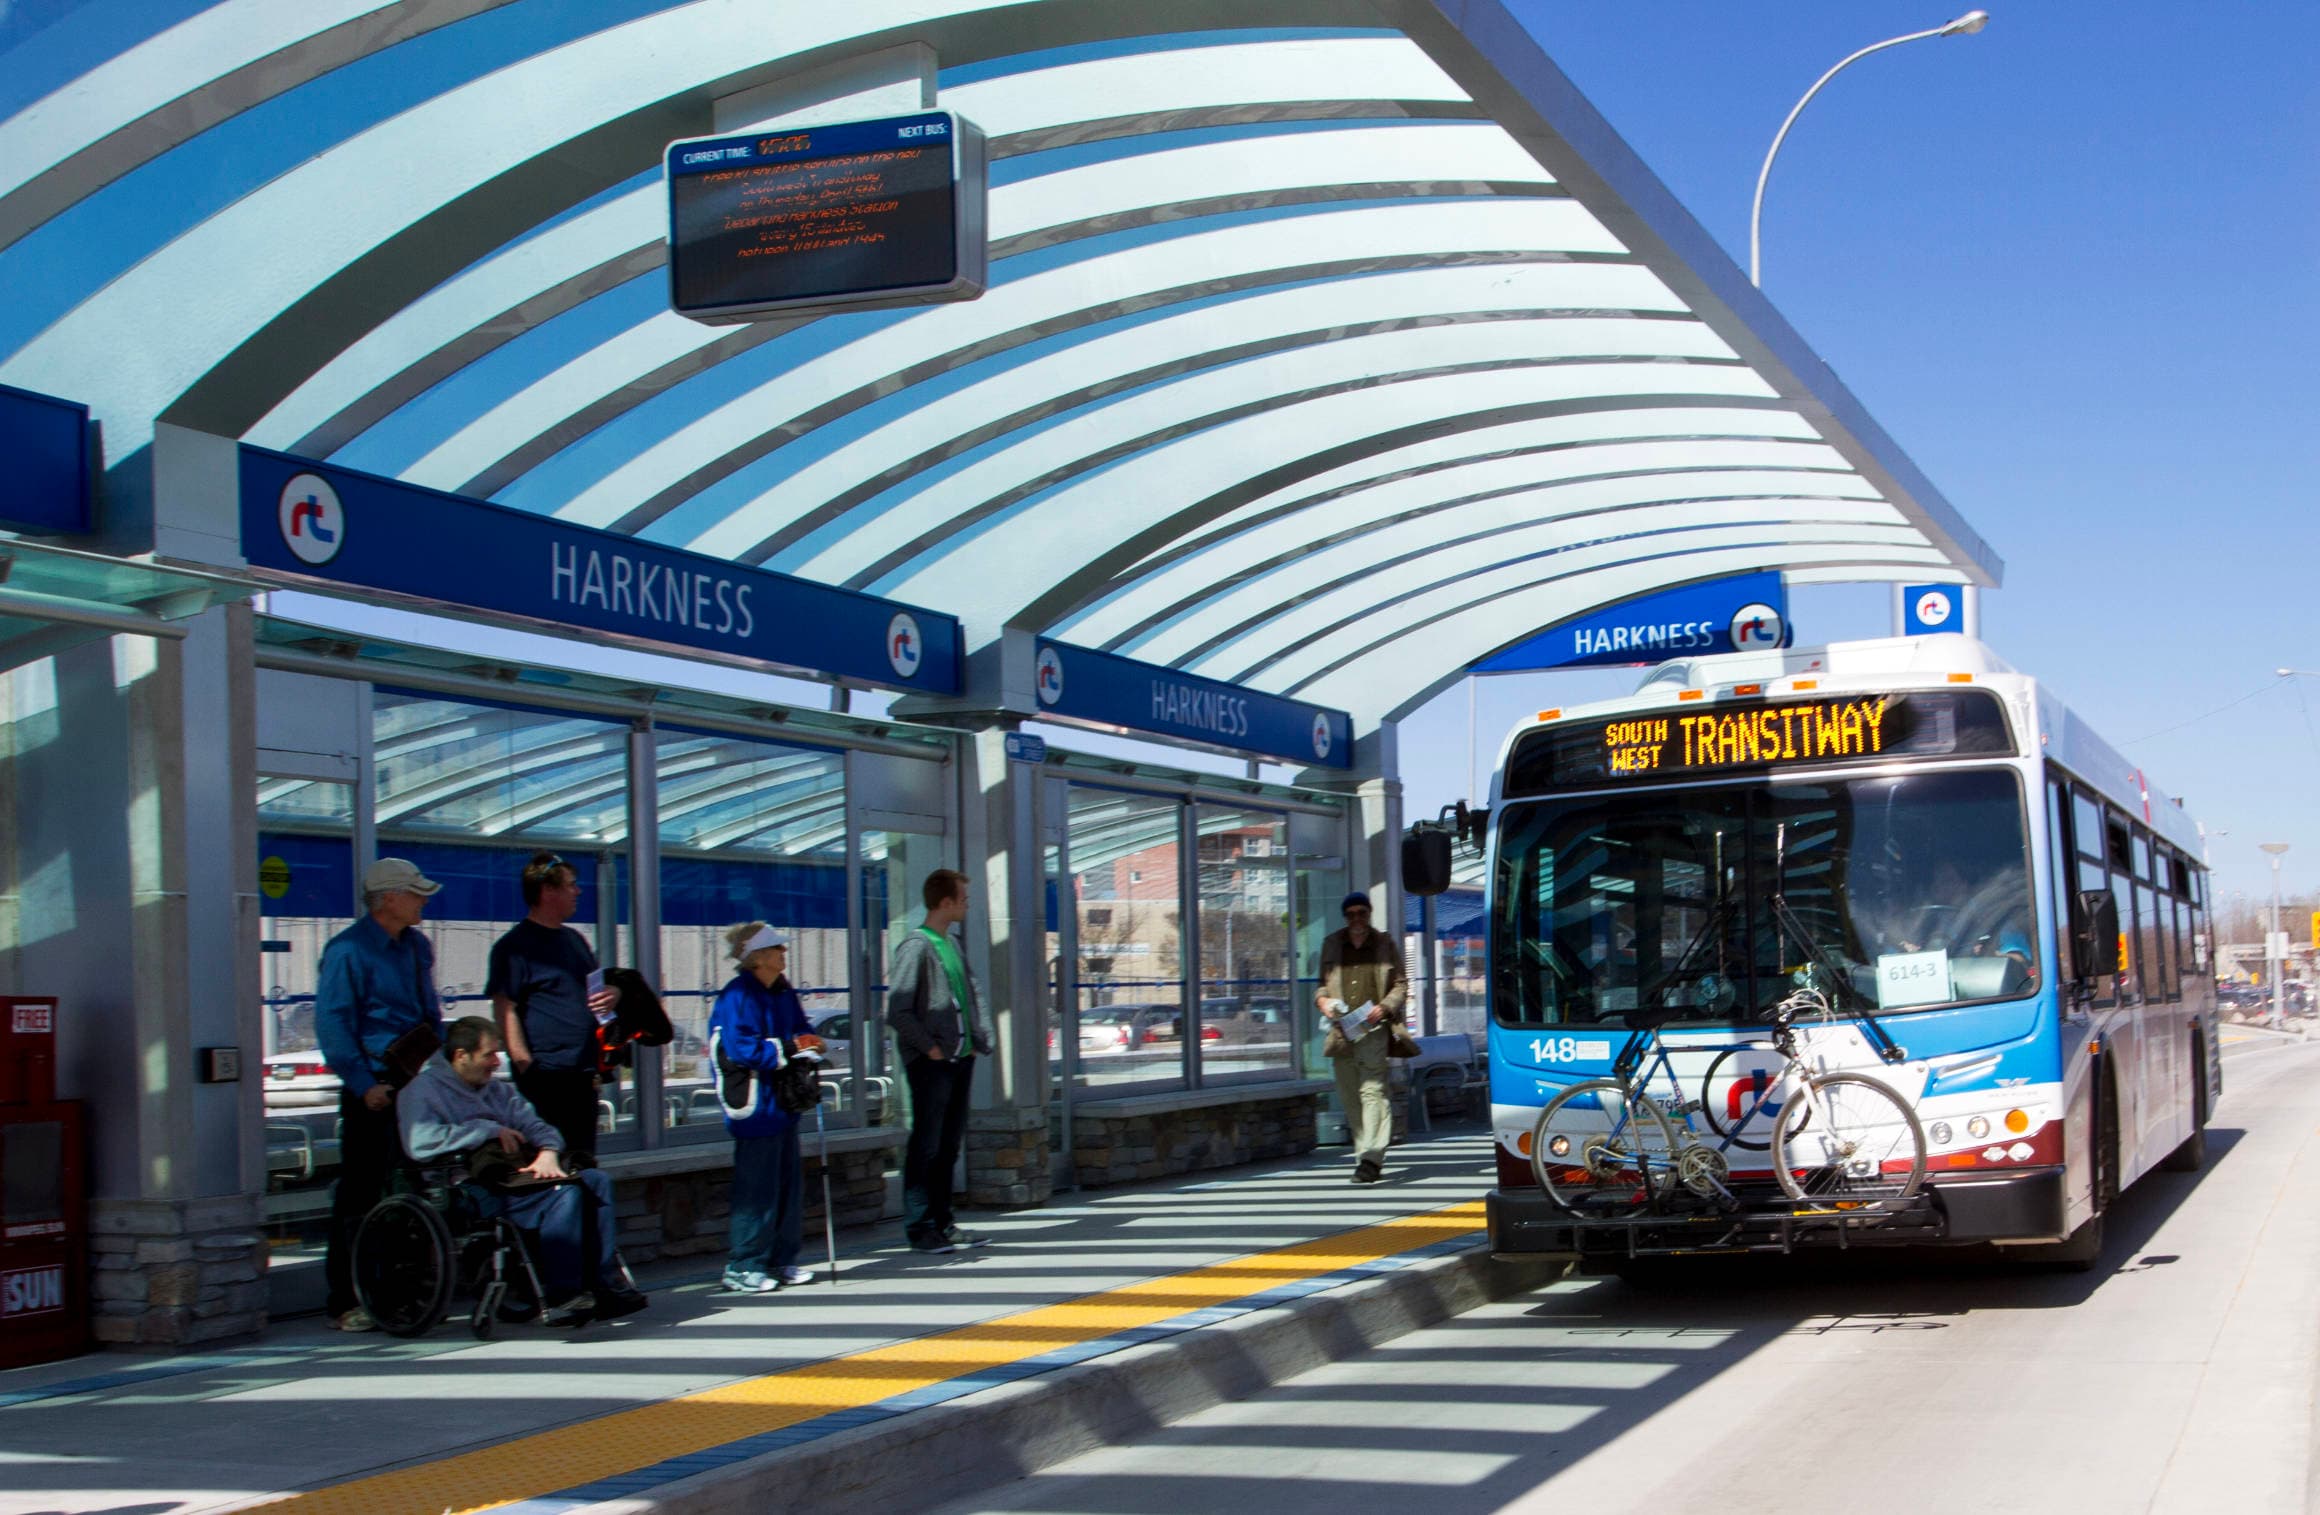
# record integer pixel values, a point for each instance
(2094, 932)
(1426, 860)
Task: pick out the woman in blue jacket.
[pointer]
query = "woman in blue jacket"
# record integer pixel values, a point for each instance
(758, 1025)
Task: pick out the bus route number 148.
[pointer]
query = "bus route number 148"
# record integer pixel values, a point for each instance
(1566, 1049)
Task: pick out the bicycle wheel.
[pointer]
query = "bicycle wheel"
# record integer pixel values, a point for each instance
(1845, 1137)
(1597, 1149)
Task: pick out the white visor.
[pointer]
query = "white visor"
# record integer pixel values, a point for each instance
(766, 937)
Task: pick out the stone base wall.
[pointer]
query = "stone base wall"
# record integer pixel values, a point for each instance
(1007, 1158)
(177, 1272)
(1127, 1148)
(687, 1214)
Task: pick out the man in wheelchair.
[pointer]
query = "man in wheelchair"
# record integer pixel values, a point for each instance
(455, 1108)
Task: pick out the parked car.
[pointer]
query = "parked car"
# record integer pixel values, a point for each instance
(299, 1081)
(1130, 1028)
(1259, 1022)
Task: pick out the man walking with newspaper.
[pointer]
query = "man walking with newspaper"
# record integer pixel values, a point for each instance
(1363, 992)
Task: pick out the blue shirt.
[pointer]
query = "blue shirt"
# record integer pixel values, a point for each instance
(372, 988)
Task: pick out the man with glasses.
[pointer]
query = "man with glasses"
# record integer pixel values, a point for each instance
(1363, 992)
(375, 985)
(548, 998)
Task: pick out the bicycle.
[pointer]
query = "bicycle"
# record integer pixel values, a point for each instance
(1838, 1137)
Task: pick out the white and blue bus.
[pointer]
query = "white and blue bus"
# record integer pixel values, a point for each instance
(1992, 915)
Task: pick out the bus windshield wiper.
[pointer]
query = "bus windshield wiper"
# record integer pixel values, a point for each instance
(1785, 922)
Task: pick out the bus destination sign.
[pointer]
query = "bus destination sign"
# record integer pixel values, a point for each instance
(1758, 736)
(863, 213)
(1730, 738)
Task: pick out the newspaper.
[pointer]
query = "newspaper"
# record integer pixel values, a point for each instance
(1355, 1024)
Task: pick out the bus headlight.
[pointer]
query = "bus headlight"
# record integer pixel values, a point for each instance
(1939, 1132)
(1978, 1127)
(1559, 1146)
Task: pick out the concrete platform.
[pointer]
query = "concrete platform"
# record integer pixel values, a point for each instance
(1122, 1310)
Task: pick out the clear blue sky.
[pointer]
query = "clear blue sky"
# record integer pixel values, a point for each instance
(2072, 264)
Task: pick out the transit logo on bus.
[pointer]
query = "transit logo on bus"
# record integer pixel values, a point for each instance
(313, 521)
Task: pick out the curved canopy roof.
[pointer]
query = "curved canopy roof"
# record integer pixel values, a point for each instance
(1326, 353)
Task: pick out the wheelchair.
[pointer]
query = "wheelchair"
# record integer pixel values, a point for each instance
(428, 1243)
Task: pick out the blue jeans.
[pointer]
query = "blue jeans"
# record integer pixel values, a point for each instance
(769, 1200)
(572, 1228)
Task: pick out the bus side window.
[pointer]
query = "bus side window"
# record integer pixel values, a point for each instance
(2103, 972)
(2058, 860)
(2119, 851)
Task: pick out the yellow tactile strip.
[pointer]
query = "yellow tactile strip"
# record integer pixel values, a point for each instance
(609, 1445)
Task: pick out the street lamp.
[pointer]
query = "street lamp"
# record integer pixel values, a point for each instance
(2276, 966)
(1964, 26)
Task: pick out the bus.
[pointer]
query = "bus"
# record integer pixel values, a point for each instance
(1988, 909)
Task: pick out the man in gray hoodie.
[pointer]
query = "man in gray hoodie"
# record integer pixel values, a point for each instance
(454, 1107)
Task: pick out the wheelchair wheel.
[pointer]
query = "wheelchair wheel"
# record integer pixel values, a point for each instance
(403, 1265)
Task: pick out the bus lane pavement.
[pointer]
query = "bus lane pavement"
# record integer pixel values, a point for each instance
(2175, 1378)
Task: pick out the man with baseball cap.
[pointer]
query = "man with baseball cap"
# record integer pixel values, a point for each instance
(376, 984)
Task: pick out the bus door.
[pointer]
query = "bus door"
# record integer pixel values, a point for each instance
(2144, 1067)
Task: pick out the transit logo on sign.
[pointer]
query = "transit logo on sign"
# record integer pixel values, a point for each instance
(1321, 736)
(1757, 625)
(903, 647)
(1050, 680)
(1933, 607)
(313, 521)
(32, 1291)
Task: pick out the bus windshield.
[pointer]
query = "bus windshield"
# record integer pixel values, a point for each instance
(1709, 905)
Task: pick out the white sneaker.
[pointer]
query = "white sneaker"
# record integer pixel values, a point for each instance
(793, 1275)
(748, 1281)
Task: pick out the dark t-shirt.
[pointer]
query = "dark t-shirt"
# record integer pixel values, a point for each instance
(545, 971)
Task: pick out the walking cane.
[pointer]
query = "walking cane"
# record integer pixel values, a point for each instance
(829, 1215)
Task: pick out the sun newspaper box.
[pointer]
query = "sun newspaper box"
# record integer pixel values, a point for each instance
(43, 1195)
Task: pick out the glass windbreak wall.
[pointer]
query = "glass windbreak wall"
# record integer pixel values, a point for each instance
(1247, 997)
(748, 831)
(895, 865)
(1320, 882)
(1126, 884)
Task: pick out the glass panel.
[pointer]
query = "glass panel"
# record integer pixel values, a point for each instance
(1321, 883)
(748, 831)
(1126, 874)
(469, 793)
(1247, 1018)
(895, 865)
(1458, 964)
(306, 889)
(2058, 864)
(2131, 963)
(2086, 823)
(1707, 905)
(2092, 880)
(2155, 957)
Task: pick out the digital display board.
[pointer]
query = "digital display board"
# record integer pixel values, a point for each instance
(1756, 736)
(855, 215)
